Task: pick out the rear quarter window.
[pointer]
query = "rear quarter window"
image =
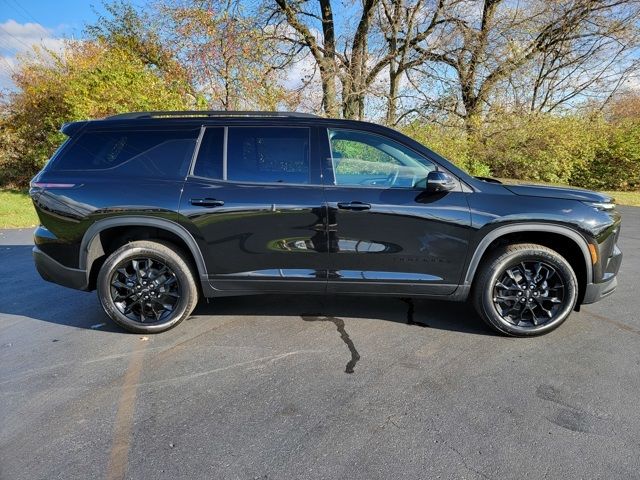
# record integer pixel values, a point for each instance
(148, 153)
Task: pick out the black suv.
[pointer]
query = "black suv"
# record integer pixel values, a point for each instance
(156, 209)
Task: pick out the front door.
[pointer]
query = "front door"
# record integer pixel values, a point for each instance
(256, 202)
(386, 234)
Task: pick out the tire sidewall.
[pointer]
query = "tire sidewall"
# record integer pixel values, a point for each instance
(512, 259)
(126, 253)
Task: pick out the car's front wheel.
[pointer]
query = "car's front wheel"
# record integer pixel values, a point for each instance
(147, 286)
(525, 290)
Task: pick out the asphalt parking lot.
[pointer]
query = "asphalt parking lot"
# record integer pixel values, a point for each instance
(314, 387)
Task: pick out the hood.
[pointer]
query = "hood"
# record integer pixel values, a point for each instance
(564, 193)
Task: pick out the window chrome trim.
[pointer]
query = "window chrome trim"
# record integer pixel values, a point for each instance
(246, 182)
(196, 150)
(225, 143)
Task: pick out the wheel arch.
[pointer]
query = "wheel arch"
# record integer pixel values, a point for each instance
(92, 248)
(571, 236)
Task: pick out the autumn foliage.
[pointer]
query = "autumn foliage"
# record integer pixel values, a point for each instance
(529, 90)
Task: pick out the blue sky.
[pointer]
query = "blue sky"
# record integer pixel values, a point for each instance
(62, 16)
(69, 16)
(24, 23)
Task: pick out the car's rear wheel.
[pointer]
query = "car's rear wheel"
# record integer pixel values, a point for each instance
(147, 286)
(525, 290)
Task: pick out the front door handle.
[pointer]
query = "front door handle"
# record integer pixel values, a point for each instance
(354, 206)
(206, 202)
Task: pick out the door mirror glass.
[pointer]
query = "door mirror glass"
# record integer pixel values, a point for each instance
(438, 181)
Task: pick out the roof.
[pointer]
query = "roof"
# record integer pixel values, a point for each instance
(210, 117)
(207, 114)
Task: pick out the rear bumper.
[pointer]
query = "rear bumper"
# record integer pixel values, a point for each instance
(52, 271)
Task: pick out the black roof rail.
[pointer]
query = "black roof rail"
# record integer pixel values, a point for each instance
(205, 113)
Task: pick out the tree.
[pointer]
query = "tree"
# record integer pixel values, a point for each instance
(624, 106)
(323, 50)
(413, 30)
(313, 27)
(593, 63)
(229, 57)
(86, 80)
(494, 44)
(123, 27)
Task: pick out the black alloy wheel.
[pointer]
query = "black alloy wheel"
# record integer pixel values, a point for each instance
(524, 289)
(529, 293)
(147, 286)
(145, 290)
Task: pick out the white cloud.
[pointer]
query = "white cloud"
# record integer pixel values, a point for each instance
(633, 83)
(300, 72)
(7, 65)
(20, 38)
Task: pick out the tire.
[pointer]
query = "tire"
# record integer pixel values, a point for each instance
(147, 286)
(508, 308)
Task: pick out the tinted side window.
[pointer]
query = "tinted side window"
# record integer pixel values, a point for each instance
(209, 161)
(361, 158)
(268, 154)
(150, 153)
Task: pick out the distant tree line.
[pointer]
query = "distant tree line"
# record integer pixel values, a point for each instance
(535, 89)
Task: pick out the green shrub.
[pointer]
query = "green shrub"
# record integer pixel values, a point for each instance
(583, 151)
(451, 143)
(616, 163)
(88, 80)
(538, 147)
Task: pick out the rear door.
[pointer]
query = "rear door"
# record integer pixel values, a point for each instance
(255, 199)
(386, 234)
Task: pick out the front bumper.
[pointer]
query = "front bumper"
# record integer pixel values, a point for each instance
(597, 291)
(55, 272)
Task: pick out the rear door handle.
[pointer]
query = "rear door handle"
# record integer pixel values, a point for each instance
(206, 202)
(354, 205)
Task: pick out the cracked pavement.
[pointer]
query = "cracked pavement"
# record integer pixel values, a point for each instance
(314, 387)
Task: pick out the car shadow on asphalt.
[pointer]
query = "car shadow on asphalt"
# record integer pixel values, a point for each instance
(416, 312)
(25, 294)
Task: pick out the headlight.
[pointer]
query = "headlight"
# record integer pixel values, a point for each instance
(601, 205)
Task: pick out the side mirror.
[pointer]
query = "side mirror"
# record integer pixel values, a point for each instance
(437, 182)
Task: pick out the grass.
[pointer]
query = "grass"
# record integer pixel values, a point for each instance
(626, 198)
(16, 209)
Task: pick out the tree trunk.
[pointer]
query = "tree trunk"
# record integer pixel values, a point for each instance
(350, 106)
(354, 83)
(392, 100)
(473, 119)
(329, 95)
